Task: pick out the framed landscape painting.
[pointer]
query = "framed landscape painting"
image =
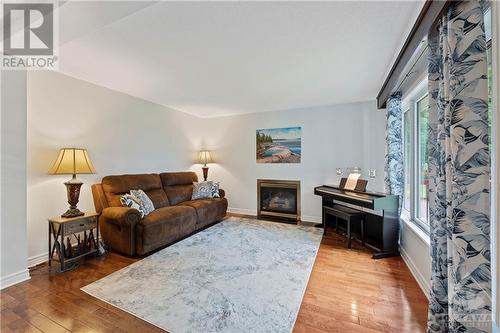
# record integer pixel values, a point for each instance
(279, 145)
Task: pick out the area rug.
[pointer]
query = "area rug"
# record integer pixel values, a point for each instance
(240, 275)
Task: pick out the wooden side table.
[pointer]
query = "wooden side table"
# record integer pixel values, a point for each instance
(72, 239)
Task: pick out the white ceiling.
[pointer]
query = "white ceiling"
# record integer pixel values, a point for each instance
(221, 58)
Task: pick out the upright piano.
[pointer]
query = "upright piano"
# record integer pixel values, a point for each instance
(381, 223)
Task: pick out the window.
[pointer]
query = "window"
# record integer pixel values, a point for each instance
(422, 109)
(415, 131)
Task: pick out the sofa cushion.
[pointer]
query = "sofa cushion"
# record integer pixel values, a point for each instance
(165, 225)
(207, 210)
(215, 190)
(202, 190)
(130, 201)
(144, 201)
(115, 186)
(178, 178)
(178, 185)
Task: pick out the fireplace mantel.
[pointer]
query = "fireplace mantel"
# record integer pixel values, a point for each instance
(278, 199)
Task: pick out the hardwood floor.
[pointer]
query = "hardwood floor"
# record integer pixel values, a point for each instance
(347, 292)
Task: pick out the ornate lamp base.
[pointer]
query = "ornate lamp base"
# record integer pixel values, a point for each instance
(205, 172)
(73, 213)
(73, 189)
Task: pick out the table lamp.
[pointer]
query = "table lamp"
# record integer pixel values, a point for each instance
(204, 157)
(72, 161)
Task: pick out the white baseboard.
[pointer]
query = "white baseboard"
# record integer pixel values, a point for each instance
(242, 211)
(423, 284)
(313, 219)
(38, 259)
(251, 212)
(14, 278)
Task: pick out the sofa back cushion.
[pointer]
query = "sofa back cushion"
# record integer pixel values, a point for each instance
(115, 186)
(178, 186)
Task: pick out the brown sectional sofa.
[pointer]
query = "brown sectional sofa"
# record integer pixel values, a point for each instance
(175, 216)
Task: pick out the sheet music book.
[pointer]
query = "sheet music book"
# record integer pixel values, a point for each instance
(352, 180)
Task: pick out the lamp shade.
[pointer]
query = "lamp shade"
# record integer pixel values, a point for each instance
(204, 157)
(72, 161)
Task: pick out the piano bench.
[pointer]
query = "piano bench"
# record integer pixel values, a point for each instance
(347, 214)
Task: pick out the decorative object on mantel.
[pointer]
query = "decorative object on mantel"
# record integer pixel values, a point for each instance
(72, 161)
(205, 157)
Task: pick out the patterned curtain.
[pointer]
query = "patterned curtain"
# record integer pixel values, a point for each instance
(459, 166)
(394, 177)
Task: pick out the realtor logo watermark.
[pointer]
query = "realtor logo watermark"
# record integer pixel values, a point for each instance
(29, 37)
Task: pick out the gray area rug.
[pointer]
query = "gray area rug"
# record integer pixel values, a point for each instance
(240, 275)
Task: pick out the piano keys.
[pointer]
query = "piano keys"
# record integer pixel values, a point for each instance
(381, 224)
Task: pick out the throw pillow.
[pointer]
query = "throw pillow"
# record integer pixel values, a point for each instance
(215, 190)
(128, 200)
(202, 190)
(144, 201)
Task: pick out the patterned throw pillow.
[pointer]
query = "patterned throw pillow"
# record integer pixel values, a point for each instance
(144, 201)
(128, 200)
(202, 190)
(215, 190)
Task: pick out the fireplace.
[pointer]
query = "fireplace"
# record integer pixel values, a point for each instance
(278, 199)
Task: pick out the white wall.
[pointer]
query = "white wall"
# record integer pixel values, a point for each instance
(13, 178)
(332, 136)
(415, 250)
(123, 134)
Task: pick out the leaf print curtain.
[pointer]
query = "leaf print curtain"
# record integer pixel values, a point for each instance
(394, 177)
(459, 165)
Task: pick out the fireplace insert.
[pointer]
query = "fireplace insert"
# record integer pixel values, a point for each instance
(278, 199)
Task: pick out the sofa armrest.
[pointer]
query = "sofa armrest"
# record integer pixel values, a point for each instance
(117, 226)
(222, 193)
(121, 216)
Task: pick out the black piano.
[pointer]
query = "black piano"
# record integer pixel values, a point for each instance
(381, 223)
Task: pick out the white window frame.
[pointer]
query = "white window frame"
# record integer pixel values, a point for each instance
(407, 110)
(409, 104)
